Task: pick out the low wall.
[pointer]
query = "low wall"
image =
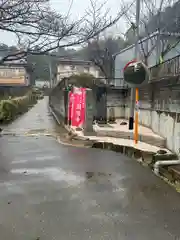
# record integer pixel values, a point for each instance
(166, 124)
(10, 91)
(56, 102)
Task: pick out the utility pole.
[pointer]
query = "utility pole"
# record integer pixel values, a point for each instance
(132, 101)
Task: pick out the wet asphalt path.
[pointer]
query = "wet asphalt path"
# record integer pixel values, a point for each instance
(45, 193)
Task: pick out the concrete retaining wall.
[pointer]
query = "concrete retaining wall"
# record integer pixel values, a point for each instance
(159, 109)
(165, 124)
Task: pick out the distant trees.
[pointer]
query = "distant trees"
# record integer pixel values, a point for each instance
(43, 35)
(82, 80)
(162, 17)
(101, 51)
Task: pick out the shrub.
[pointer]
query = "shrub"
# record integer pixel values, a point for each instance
(84, 80)
(11, 108)
(8, 110)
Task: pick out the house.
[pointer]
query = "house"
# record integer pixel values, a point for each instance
(68, 67)
(41, 84)
(150, 49)
(14, 73)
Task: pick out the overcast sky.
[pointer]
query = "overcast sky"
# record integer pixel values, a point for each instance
(78, 8)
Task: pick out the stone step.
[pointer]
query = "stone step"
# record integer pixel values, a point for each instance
(156, 141)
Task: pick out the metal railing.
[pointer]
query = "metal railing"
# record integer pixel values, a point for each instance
(168, 68)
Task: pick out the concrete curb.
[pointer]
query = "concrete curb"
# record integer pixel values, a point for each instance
(144, 156)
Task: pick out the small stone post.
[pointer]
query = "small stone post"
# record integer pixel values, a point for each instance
(89, 112)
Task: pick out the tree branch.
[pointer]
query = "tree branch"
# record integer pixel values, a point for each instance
(39, 30)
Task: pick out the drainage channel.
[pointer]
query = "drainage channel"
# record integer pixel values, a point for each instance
(27, 134)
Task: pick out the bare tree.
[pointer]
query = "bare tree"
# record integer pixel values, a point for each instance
(159, 17)
(100, 49)
(39, 30)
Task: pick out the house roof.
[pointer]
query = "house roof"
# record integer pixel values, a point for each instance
(14, 63)
(74, 61)
(11, 62)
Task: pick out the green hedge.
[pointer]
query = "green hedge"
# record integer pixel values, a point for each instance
(11, 108)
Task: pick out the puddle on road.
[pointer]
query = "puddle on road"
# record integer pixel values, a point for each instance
(30, 133)
(60, 175)
(56, 131)
(36, 158)
(55, 174)
(39, 132)
(33, 131)
(96, 175)
(11, 187)
(42, 125)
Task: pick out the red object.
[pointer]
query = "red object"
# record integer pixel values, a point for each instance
(83, 103)
(75, 117)
(78, 108)
(133, 61)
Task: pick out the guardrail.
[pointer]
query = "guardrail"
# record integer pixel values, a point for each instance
(166, 69)
(169, 68)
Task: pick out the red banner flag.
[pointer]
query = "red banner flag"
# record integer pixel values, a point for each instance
(78, 109)
(70, 106)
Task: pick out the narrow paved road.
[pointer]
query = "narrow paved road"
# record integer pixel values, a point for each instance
(45, 193)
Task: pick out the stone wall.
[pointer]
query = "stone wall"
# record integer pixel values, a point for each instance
(159, 109)
(116, 99)
(56, 102)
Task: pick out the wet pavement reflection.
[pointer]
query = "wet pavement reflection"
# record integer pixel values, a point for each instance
(38, 120)
(51, 191)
